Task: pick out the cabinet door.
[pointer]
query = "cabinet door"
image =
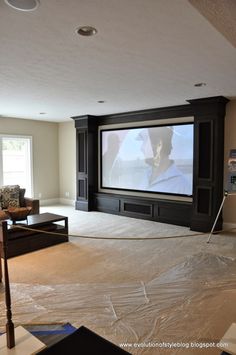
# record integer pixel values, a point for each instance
(86, 161)
(82, 162)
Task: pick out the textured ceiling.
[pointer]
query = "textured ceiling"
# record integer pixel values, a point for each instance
(146, 54)
(221, 14)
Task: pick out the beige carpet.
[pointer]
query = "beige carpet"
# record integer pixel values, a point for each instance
(145, 292)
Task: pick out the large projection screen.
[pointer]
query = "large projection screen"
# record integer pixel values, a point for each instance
(152, 159)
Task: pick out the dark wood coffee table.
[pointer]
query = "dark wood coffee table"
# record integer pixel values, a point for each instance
(43, 219)
(21, 241)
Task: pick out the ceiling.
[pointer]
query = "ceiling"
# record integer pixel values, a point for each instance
(146, 54)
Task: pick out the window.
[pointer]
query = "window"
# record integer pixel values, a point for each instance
(16, 162)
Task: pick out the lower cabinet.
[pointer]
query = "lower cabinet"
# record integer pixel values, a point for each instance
(166, 211)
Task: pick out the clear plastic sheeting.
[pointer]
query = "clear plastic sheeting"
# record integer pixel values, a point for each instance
(192, 303)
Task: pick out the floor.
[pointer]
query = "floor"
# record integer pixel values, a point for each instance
(167, 292)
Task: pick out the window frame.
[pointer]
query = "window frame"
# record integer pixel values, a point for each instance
(17, 136)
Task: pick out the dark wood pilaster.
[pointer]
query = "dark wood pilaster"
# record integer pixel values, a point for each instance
(208, 168)
(86, 158)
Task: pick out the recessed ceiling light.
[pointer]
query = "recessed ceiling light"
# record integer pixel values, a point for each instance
(23, 5)
(100, 101)
(198, 85)
(86, 31)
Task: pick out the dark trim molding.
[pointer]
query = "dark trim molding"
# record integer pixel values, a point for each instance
(146, 115)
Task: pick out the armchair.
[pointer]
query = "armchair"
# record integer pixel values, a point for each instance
(18, 200)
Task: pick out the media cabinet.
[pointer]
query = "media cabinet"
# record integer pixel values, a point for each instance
(208, 163)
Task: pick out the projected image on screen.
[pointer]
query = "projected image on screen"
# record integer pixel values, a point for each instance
(150, 159)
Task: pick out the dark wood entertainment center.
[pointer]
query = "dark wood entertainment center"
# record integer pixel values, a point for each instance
(208, 163)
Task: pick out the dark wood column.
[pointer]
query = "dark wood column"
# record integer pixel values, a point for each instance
(86, 161)
(208, 167)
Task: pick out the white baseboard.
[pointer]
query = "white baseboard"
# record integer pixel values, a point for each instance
(228, 225)
(66, 201)
(56, 201)
(50, 201)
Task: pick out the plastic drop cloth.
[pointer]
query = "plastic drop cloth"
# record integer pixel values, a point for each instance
(191, 302)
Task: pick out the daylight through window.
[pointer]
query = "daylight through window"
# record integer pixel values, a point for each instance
(16, 162)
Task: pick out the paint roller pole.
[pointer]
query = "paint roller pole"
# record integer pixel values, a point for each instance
(221, 206)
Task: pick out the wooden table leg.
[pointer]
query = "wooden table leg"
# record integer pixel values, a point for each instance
(0, 262)
(1, 241)
(66, 225)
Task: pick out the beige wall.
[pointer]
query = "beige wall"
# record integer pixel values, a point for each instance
(229, 210)
(67, 160)
(45, 153)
